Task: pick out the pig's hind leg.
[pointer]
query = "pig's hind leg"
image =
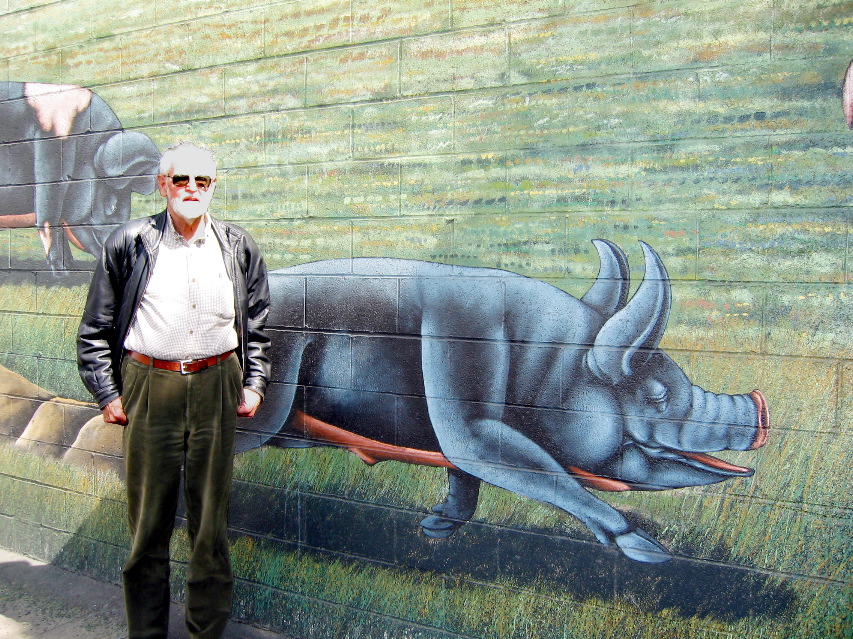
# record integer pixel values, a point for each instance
(286, 352)
(457, 509)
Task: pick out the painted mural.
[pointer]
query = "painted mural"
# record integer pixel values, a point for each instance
(504, 380)
(443, 192)
(70, 167)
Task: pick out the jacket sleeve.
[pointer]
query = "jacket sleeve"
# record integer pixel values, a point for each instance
(97, 335)
(258, 367)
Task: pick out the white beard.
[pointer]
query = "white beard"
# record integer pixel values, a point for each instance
(189, 211)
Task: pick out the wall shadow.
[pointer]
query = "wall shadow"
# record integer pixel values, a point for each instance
(485, 553)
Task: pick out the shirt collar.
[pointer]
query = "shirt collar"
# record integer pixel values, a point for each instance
(176, 238)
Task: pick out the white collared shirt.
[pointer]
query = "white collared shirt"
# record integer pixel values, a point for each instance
(187, 310)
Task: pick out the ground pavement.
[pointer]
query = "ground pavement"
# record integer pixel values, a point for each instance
(40, 601)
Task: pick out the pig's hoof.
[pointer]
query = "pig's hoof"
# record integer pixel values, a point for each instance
(439, 527)
(639, 546)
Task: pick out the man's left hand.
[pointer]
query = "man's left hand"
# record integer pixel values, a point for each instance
(250, 403)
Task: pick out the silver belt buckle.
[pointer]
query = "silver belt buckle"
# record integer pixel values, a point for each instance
(183, 362)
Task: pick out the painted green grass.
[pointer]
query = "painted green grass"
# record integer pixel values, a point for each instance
(285, 589)
(784, 524)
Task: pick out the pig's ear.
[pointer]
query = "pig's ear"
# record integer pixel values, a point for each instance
(634, 332)
(847, 95)
(610, 291)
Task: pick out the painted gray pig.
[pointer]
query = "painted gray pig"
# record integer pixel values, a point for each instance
(499, 378)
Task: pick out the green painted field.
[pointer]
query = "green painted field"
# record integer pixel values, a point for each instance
(503, 135)
(774, 549)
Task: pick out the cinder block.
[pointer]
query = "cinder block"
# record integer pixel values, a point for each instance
(784, 96)
(120, 18)
(678, 35)
(164, 136)
(354, 189)
(809, 320)
(124, 17)
(307, 135)
(21, 298)
(291, 288)
(264, 193)
(91, 63)
(721, 174)
(17, 35)
(653, 106)
(5, 332)
(328, 307)
(268, 84)
(515, 118)
(717, 318)
(296, 26)
(62, 377)
(812, 170)
(132, 102)
(569, 180)
(26, 249)
(454, 185)
(171, 11)
(289, 242)
(356, 74)
(188, 96)
(844, 420)
(387, 19)
(417, 238)
(532, 245)
(811, 30)
(473, 13)
(63, 332)
(41, 66)
(774, 245)
(455, 61)
(661, 229)
(403, 127)
(571, 47)
(55, 26)
(193, 95)
(236, 141)
(226, 37)
(809, 478)
(152, 52)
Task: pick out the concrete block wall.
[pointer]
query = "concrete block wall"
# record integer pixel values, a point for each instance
(503, 135)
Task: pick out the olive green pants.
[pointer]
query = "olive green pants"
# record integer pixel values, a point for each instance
(179, 424)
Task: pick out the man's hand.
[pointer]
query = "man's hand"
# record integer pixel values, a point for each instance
(114, 412)
(250, 403)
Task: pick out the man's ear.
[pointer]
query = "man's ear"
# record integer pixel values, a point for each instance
(161, 185)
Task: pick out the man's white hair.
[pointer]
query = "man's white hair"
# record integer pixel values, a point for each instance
(167, 160)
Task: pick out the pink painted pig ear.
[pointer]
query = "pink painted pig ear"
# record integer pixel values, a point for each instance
(847, 95)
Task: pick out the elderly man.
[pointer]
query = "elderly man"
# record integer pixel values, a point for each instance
(172, 345)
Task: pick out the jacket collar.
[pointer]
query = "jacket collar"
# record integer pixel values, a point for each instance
(153, 232)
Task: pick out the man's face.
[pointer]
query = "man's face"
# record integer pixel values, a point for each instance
(188, 187)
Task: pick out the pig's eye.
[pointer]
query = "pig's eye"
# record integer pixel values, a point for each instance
(657, 395)
(659, 400)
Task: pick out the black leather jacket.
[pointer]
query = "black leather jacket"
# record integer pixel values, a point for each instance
(120, 280)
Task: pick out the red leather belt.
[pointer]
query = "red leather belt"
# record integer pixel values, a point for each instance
(184, 366)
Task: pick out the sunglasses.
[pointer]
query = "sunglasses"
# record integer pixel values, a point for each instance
(201, 181)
